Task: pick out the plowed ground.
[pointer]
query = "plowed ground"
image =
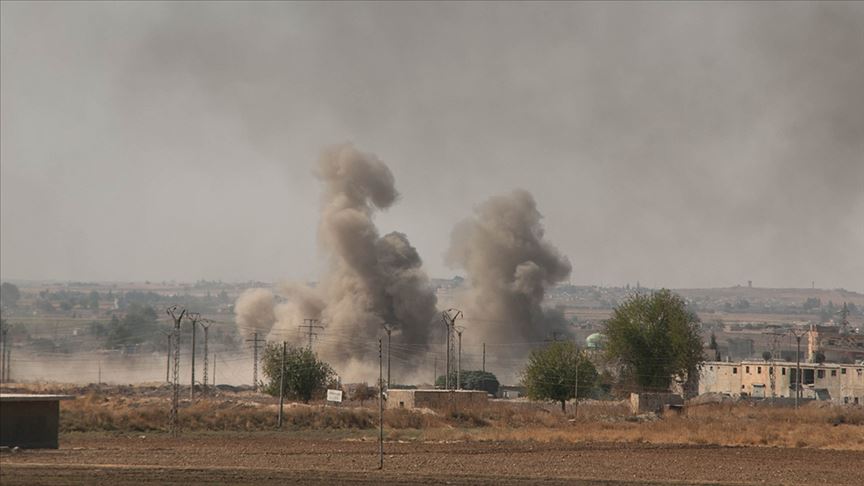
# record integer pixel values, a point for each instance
(280, 458)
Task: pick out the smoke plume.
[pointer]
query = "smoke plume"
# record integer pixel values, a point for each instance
(253, 311)
(509, 266)
(371, 280)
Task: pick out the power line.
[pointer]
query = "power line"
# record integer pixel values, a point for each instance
(255, 342)
(173, 424)
(310, 325)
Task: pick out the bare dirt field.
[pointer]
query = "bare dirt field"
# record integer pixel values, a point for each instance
(291, 457)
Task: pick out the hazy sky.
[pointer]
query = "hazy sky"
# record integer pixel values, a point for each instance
(701, 144)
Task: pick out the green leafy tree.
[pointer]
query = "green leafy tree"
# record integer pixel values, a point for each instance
(655, 338)
(305, 374)
(473, 380)
(551, 373)
(9, 294)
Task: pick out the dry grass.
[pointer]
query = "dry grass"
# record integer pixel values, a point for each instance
(736, 424)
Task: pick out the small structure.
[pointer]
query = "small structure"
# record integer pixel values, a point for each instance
(30, 421)
(654, 402)
(435, 399)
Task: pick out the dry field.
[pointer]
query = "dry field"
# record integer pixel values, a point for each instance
(117, 436)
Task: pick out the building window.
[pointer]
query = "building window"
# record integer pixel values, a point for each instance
(759, 370)
(711, 368)
(842, 371)
(735, 371)
(820, 374)
(783, 371)
(747, 370)
(771, 370)
(833, 372)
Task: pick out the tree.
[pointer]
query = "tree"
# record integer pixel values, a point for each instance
(712, 345)
(473, 380)
(364, 392)
(766, 355)
(9, 294)
(305, 374)
(551, 373)
(655, 339)
(93, 300)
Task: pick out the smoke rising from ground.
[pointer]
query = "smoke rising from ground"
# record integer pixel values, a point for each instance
(371, 280)
(509, 266)
(253, 311)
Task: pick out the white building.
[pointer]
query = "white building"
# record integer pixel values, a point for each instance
(840, 383)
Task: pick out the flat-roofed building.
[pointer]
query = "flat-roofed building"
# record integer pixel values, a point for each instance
(837, 382)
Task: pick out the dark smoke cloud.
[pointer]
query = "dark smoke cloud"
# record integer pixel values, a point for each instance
(509, 266)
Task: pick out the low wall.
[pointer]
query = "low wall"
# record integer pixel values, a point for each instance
(435, 399)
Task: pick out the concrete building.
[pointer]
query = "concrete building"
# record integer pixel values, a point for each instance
(837, 343)
(30, 421)
(435, 399)
(839, 383)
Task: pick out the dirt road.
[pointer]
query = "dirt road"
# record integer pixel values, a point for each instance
(270, 458)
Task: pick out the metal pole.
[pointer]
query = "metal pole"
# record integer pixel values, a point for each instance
(447, 365)
(3, 334)
(100, 373)
(798, 372)
(459, 362)
(282, 382)
(206, 328)
(576, 392)
(380, 407)
(388, 356)
(214, 369)
(484, 357)
(168, 362)
(195, 317)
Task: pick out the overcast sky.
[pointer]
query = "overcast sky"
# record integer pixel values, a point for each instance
(701, 144)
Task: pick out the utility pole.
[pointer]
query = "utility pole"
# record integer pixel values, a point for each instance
(214, 370)
(177, 315)
(798, 336)
(282, 382)
(99, 382)
(576, 391)
(434, 370)
(194, 317)
(388, 331)
(459, 331)
(380, 407)
(169, 335)
(205, 324)
(254, 342)
(310, 325)
(450, 316)
(484, 357)
(4, 333)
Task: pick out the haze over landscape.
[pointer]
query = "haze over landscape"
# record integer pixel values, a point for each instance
(685, 145)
